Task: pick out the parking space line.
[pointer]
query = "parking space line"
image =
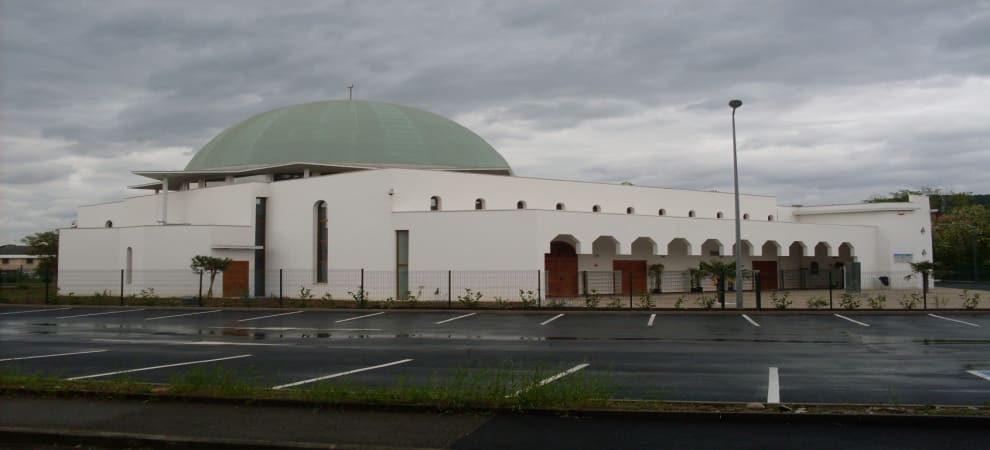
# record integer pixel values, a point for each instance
(985, 374)
(182, 315)
(34, 310)
(549, 380)
(954, 320)
(649, 323)
(359, 317)
(340, 374)
(851, 320)
(165, 366)
(773, 386)
(294, 329)
(162, 341)
(551, 319)
(51, 356)
(101, 313)
(269, 316)
(750, 320)
(455, 318)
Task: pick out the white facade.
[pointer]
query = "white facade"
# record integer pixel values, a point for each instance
(365, 209)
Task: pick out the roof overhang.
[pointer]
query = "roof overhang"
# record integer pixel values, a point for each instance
(855, 208)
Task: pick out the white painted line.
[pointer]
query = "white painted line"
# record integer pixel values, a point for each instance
(182, 315)
(294, 329)
(773, 387)
(980, 373)
(102, 313)
(954, 320)
(750, 320)
(34, 310)
(340, 374)
(51, 356)
(547, 381)
(649, 323)
(851, 320)
(455, 318)
(142, 369)
(159, 341)
(551, 319)
(266, 317)
(359, 317)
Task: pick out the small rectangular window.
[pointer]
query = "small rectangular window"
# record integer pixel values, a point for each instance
(30, 260)
(5, 261)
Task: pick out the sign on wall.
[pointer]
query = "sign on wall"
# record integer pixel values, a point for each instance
(903, 258)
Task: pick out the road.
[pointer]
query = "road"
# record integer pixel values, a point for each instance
(856, 357)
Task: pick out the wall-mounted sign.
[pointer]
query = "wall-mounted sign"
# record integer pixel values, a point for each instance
(903, 258)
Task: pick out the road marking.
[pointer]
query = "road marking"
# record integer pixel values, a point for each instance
(547, 381)
(750, 320)
(954, 320)
(551, 319)
(851, 320)
(649, 323)
(34, 310)
(455, 318)
(102, 313)
(165, 366)
(161, 341)
(773, 387)
(51, 356)
(985, 374)
(358, 317)
(186, 314)
(340, 374)
(294, 329)
(266, 317)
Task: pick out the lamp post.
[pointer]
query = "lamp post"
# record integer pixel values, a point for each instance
(734, 104)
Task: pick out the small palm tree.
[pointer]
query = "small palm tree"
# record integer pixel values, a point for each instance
(925, 268)
(211, 265)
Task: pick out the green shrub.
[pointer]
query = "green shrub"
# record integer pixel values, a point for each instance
(706, 301)
(592, 298)
(470, 299)
(780, 301)
(528, 299)
(970, 302)
(910, 301)
(646, 301)
(817, 302)
(679, 303)
(305, 293)
(877, 302)
(615, 303)
(849, 300)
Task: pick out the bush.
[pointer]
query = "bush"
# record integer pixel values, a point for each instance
(305, 293)
(527, 298)
(592, 298)
(501, 302)
(877, 302)
(849, 300)
(646, 302)
(360, 297)
(970, 302)
(910, 301)
(817, 302)
(470, 299)
(780, 301)
(941, 302)
(615, 303)
(705, 301)
(680, 302)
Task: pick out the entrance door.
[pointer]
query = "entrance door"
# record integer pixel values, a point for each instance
(235, 279)
(561, 266)
(768, 274)
(637, 270)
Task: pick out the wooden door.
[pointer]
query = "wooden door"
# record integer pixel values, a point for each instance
(768, 274)
(235, 279)
(637, 270)
(561, 266)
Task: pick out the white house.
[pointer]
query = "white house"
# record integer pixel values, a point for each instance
(316, 192)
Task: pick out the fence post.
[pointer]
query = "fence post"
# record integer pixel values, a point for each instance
(201, 287)
(630, 290)
(48, 280)
(924, 289)
(121, 287)
(829, 289)
(280, 298)
(539, 286)
(449, 303)
(364, 295)
(758, 289)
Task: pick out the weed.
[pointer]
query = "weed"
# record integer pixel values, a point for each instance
(501, 302)
(817, 302)
(555, 302)
(388, 303)
(706, 301)
(910, 301)
(305, 293)
(941, 302)
(679, 303)
(969, 302)
(470, 299)
(877, 302)
(848, 300)
(592, 298)
(646, 302)
(615, 302)
(360, 297)
(148, 293)
(780, 301)
(527, 298)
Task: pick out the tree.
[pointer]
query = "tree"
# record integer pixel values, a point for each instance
(211, 264)
(44, 244)
(960, 238)
(721, 272)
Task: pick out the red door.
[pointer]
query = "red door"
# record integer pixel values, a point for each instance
(235, 279)
(635, 269)
(561, 266)
(768, 274)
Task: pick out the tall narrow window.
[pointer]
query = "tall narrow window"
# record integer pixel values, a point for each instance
(479, 203)
(435, 203)
(260, 225)
(520, 205)
(130, 265)
(321, 242)
(402, 264)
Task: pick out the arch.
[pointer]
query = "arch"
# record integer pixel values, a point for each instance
(644, 246)
(320, 240)
(630, 210)
(435, 203)
(560, 207)
(561, 266)
(479, 203)
(662, 212)
(521, 204)
(130, 265)
(797, 248)
(691, 213)
(605, 245)
(747, 248)
(719, 215)
(596, 208)
(746, 216)
(569, 239)
(712, 247)
(679, 247)
(771, 248)
(847, 251)
(770, 218)
(108, 224)
(823, 250)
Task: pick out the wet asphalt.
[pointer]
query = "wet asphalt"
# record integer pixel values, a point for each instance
(900, 358)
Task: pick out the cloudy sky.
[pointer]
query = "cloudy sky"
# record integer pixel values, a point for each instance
(843, 99)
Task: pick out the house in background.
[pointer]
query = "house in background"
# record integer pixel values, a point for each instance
(17, 257)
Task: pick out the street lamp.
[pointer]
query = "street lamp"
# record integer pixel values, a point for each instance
(735, 175)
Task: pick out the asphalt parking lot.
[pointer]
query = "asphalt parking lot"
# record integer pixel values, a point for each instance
(900, 358)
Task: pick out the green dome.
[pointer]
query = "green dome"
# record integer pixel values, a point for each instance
(349, 133)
